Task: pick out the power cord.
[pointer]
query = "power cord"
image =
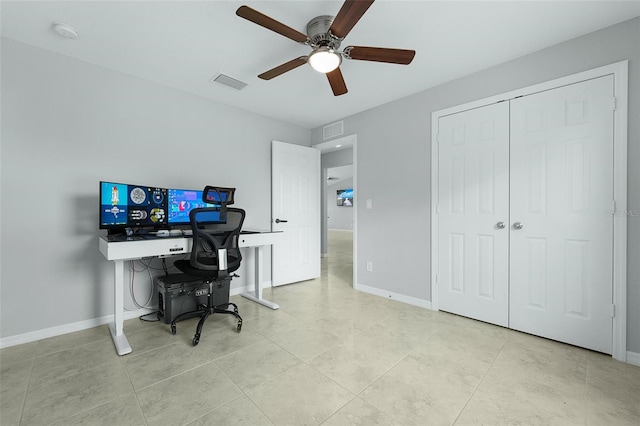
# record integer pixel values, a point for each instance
(132, 287)
(143, 317)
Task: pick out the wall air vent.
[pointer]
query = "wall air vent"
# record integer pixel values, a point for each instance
(332, 130)
(225, 80)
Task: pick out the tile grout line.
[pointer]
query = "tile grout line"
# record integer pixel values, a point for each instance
(358, 395)
(243, 393)
(481, 380)
(107, 337)
(586, 388)
(301, 361)
(135, 393)
(87, 409)
(26, 392)
(189, 369)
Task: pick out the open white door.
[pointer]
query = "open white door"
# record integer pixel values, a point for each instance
(295, 210)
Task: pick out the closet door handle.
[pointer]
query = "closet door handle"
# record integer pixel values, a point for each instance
(500, 225)
(281, 221)
(517, 225)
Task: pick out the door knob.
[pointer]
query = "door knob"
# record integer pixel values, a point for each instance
(500, 225)
(281, 221)
(517, 225)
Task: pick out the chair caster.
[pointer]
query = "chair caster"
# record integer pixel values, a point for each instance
(196, 339)
(239, 327)
(173, 329)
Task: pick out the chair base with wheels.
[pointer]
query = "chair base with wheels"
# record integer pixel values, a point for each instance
(217, 302)
(204, 311)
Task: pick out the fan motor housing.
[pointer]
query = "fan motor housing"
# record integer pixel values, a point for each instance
(318, 32)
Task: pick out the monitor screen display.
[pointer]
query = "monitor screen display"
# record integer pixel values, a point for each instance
(125, 205)
(182, 201)
(345, 197)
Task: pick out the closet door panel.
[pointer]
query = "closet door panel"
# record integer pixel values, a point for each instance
(473, 198)
(561, 271)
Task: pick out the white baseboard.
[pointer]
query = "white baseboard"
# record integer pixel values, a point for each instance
(394, 296)
(633, 358)
(59, 330)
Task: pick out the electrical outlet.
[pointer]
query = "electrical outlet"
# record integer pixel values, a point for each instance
(369, 266)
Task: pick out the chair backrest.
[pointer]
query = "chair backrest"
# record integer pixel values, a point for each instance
(215, 245)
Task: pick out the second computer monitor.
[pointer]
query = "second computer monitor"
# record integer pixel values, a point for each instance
(182, 201)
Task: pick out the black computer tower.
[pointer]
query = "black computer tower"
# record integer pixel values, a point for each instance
(179, 293)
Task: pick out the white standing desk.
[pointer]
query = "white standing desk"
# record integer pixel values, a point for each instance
(138, 248)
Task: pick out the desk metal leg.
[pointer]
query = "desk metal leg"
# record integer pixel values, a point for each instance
(256, 295)
(117, 328)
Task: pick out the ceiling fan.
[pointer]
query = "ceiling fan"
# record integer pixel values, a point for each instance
(324, 35)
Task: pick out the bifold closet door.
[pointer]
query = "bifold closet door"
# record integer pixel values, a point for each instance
(473, 218)
(561, 237)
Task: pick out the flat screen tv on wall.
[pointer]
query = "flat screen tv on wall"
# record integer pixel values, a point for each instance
(345, 197)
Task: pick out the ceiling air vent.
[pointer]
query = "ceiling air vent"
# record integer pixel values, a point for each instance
(332, 130)
(225, 80)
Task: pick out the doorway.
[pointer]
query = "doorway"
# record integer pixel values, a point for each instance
(339, 199)
(339, 219)
(338, 263)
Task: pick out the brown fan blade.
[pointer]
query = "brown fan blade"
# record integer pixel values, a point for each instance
(337, 83)
(348, 16)
(380, 54)
(271, 24)
(281, 69)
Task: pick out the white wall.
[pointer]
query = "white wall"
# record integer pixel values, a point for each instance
(339, 217)
(66, 125)
(394, 161)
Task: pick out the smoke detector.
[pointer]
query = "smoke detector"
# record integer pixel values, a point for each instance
(65, 30)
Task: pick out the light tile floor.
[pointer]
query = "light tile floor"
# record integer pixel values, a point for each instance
(330, 355)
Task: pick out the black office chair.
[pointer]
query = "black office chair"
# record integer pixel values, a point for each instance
(214, 257)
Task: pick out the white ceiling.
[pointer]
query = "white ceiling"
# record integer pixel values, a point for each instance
(183, 44)
(336, 175)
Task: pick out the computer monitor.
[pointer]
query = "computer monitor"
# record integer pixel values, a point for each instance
(182, 201)
(128, 206)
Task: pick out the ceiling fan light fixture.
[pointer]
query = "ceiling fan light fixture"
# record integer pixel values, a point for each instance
(324, 60)
(325, 34)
